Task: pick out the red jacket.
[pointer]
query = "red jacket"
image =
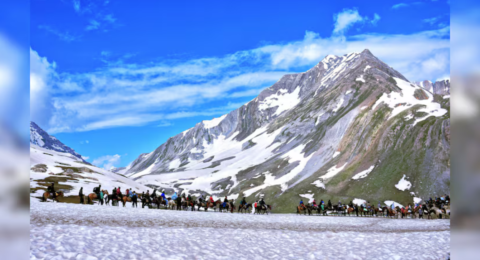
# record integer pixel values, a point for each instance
(211, 200)
(118, 191)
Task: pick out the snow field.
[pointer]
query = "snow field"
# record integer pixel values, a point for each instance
(72, 231)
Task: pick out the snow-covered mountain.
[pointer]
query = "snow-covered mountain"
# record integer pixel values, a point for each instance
(52, 161)
(350, 127)
(41, 138)
(441, 87)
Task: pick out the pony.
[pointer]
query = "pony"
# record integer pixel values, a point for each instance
(262, 209)
(213, 205)
(301, 209)
(351, 210)
(93, 196)
(126, 199)
(439, 213)
(172, 204)
(49, 195)
(244, 207)
(229, 206)
(111, 197)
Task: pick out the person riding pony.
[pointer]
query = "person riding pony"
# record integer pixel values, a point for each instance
(164, 197)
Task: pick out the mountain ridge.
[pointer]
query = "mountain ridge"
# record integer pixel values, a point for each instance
(40, 137)
(315, 129)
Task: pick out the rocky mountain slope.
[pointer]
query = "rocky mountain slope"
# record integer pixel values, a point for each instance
(441, 87)
(41, 138)
(349, 128)
(52, 161)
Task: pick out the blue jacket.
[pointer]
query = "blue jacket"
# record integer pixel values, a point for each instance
(163, 195)
(301, 202)
(174, 196)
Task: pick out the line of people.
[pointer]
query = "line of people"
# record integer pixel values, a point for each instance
(439, 202)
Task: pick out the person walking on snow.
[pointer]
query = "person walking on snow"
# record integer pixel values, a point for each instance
(101, 196)
(51, 188)
(80, 194)
(134, 199)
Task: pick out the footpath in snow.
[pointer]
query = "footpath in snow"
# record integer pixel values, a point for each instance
(72, 231)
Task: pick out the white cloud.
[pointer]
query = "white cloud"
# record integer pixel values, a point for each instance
(399, 5)
(109, 18)
(76, 5)
(64, 36)
(42, 73)
(164, 124)
(93, 25)
(129, 94)
(375, 19)
(345, 20)
(107, 161)
(402, 5)
(85, 158)
(433, 20)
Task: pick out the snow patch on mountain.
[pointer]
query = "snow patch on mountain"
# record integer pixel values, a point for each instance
(403, 184)
(336, 67)
(400, 102)
(174, 164)
(214, 122)
(308, 196)
(395, 204)
(363, 174)
(319, 184)
(195, 150)
(339, 105)
(360, 79)
(333, 171)
(284, 101)
(359, 202)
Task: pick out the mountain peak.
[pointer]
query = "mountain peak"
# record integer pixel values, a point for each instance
(41, 138)
(367, 52)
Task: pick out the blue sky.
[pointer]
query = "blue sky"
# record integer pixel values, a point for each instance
(114, 79)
